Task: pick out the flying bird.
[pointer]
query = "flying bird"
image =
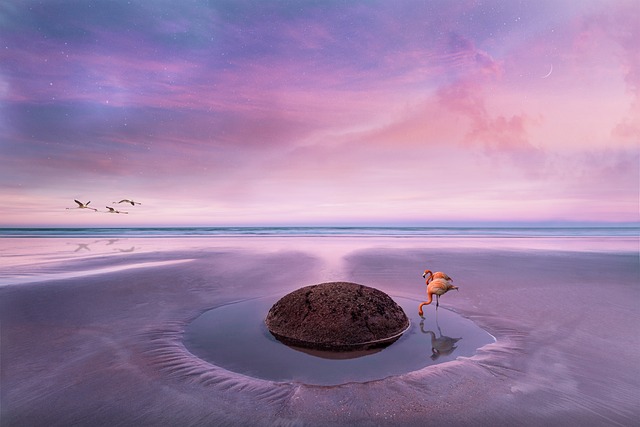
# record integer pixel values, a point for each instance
(112, 210)
(83, 206)
(129, 201)
(438, 283)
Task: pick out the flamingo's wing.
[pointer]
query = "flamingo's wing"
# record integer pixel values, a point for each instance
(78, 202)
(438, 286)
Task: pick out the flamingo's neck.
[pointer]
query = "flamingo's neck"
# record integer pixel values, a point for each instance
(428, 275)
(429, 299)
(427, 302)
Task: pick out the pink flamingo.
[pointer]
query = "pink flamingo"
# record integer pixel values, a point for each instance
(83, 206)
(438, 283)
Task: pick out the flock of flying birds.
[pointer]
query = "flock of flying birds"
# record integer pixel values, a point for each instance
(111, 209)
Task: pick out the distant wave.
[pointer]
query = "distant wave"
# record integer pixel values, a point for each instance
(519, 232)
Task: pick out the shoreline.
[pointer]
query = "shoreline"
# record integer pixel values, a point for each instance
(107, 349)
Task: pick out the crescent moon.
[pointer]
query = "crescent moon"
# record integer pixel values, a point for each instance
(549, 73)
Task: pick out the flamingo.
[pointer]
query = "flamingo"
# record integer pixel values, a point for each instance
(436, 275)
(438, 283)
(129, 201)
(112, 210)
(83, 205)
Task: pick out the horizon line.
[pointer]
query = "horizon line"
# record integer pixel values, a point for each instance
(460, 225)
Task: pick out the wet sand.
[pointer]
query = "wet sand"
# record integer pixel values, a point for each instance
(107, 348)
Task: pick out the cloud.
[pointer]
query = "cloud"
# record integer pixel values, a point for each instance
(626, 33)
(321, 110)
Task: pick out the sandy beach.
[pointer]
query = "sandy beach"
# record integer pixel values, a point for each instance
(96, 337)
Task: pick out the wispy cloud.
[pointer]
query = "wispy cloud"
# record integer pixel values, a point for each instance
(303, 112)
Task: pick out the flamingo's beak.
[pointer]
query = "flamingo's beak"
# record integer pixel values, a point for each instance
(424, 275)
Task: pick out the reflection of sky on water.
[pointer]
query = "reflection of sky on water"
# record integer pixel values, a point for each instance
(29, 278)
(231, 336)
(122, 333)
(28, 257)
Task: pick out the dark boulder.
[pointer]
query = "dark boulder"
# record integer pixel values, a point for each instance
(337, 316)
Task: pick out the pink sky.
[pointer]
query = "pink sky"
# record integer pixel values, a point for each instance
(314, 113)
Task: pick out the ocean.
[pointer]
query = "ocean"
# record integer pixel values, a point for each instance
(448, 232)
(100, 326)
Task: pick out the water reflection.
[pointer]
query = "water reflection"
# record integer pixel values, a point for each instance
(109, 241)
(131, 249)
(337, 355)
(82, 247)
(235, 337)
(442, 345)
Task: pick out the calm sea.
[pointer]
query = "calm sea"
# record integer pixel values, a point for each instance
(505, 232)
(36, 254)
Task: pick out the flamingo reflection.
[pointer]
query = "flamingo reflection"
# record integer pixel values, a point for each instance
(442, 345)
(82, 246)
(109, 241)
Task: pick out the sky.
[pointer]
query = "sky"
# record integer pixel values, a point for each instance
(259, 112)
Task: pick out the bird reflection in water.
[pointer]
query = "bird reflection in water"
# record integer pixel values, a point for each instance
(82, 246)
(109, 241)
(442, 345)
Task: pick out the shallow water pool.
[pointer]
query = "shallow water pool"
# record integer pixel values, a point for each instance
(235, 337)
